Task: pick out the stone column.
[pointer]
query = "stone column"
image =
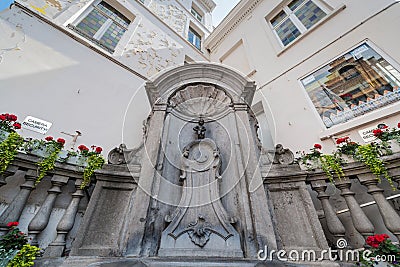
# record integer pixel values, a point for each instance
(141, 201)
(360, 221)
(41, 219)
(56, 248)
(389, 215)
(247, 158)
(14, 210)
(335, 226)
(11, 170)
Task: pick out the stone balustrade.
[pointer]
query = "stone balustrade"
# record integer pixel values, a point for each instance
(51, 211)
(354, 207)
(358, 206)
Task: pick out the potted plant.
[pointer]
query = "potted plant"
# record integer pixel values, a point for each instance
(382, 252)
(331, 164)
(10, 141)
(346, 148)
(8, 124)
(390, 138)
(15, 250)
(94, 161)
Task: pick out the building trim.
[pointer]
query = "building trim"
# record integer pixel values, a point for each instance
(230, 22)
(76, 38)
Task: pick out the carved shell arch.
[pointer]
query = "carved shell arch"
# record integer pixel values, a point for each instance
(200, 101)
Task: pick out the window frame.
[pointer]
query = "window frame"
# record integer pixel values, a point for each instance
(296, 21)
(358, 121)
(102, 30)
(194, 11)
(197, 34)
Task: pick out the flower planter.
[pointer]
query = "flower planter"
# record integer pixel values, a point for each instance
(310, 165)
(347, 158)
(65, 157)
(394, 146)
(77, 160)
(3, 135)
(40, 152)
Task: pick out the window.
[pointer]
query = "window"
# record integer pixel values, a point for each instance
(104, 25)
(356, 83)
(296, 18)
(194, 38)
(196, 14)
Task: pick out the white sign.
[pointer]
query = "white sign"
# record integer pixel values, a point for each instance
(36, 125)
(367, 134)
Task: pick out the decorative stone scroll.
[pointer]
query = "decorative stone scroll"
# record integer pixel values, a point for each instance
(200, 225)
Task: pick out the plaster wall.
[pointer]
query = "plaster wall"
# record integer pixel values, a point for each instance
(277, 70)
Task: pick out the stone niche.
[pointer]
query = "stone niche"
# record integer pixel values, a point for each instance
(198, 181)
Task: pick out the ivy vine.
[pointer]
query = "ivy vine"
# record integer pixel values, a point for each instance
(332, 164)
(369, 155)
(48, 163)
(8, 150)
(94, 162)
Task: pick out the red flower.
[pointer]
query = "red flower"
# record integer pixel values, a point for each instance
(12, 117)
(3, 117)
(341, 140)
(376, 240)
(83, 148)
(12, 224)
(61, 141)
(17, 125)
(317, 146)
(377, 132)
(49, 138)
(98, 150)
(398, 125)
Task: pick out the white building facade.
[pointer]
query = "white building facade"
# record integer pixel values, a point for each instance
(81, 65)
(324, 69)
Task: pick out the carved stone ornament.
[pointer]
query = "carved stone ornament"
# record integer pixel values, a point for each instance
(283, 155)
(122, 155)
(199, 231)
(203, 101)
(200, 213)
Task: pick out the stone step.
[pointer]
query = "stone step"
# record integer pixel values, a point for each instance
(171, 262)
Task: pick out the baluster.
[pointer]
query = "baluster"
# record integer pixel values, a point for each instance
(14, 210)
(360, 221)
(56, 248)
(8, 172)
(389, 215)
(395, 174)
(41, 219)
(335, 226)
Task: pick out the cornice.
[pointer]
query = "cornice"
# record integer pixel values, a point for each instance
(209, 4)
(230, 22)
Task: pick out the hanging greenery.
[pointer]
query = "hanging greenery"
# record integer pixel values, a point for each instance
(48, 163)
(8, 150)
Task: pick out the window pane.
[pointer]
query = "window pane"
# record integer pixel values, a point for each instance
(309, 14)
(194, 38)
(287, 31)
(295, 4)
(91, 23)
(112, 36)
(352, 85)
(278, 18)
